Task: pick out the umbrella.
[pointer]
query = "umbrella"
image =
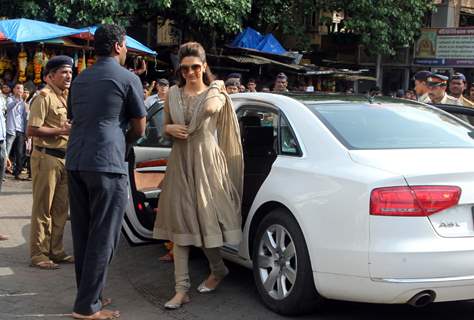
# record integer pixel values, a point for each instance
(88, 34)
(26, 30)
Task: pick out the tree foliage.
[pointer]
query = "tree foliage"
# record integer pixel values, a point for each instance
(383, 25)
(82, 12)
(284, 16)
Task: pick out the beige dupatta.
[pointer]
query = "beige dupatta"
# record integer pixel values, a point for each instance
(227, 127)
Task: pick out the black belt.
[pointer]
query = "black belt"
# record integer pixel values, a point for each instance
(58, 153)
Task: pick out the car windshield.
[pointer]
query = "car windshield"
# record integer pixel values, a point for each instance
(360, 125)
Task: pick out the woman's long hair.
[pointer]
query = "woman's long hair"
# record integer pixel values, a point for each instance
(193, 49)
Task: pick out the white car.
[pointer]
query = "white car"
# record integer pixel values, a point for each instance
(345, 198)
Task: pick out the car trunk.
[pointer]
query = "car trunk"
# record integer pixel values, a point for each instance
(429, 167)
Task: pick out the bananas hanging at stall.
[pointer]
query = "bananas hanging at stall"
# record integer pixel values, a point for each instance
(5, 64)
(30, 69)
(38, 65)
(22, 63)
(90, 61)
(81, 63)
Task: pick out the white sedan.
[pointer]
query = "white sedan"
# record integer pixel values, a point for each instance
(344, 198)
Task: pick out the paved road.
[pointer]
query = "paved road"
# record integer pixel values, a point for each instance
(140, 284)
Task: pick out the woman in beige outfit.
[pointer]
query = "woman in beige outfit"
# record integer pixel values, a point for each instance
(201, 198)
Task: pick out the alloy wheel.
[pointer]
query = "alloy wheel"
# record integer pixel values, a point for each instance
(277, 262)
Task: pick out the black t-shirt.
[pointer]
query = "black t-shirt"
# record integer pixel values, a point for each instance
(102, 100)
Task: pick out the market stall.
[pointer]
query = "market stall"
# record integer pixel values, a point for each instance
(27, 45)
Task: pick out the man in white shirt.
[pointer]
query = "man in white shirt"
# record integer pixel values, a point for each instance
(421, 87)
(162, 87)
(16, 126)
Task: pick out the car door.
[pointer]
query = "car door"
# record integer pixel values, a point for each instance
(147, 165)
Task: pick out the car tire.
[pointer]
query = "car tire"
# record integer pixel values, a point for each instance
(284, 280)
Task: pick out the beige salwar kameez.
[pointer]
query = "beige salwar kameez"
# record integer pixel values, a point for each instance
(201, 192)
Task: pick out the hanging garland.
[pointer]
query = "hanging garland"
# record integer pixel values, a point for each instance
(38, 66)
(22, 63)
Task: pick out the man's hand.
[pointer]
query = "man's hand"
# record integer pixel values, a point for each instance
(178, 131)
(66, 128)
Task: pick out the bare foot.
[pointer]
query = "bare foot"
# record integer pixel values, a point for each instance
(100, 315)
(177, 301)
(105, 302)
(3, 237)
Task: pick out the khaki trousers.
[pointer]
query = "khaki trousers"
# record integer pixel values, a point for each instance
(50, 207)
(181, 268)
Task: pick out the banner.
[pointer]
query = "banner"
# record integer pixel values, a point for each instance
(445, 47)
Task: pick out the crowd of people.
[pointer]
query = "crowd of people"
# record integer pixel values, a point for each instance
(15, 146)
(436, 88)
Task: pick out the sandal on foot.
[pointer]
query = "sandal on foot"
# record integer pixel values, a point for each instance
(66, 259)
(203, 288)
(100, 315)
(45, 265)
(176, 305)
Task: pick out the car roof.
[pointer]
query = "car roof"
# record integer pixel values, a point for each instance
(316, 98)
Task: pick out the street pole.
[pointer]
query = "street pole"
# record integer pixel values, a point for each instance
(378, 71)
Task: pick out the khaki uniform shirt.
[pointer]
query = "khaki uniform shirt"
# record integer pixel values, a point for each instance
(49, 109)
(447, 99)
(466, 102)
(424, 98)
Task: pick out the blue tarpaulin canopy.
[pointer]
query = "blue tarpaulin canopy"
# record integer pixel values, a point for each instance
(131, 43)
(271, 45)
(249, 38)
(252, 39)
(26, 30)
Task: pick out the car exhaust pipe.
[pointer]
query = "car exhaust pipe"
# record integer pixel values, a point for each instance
(422, 299)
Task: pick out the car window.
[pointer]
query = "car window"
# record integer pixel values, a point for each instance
(153, 134)
(259, 117)
(288, 141)
(393, 126)
(464, 117)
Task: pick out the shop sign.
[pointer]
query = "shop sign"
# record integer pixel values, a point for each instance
(445, 47)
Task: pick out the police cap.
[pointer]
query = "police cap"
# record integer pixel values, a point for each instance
(458, 76)
(422, 75)
(58, 62)
(437, 80)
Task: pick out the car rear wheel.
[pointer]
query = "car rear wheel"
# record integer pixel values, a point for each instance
(281, 266)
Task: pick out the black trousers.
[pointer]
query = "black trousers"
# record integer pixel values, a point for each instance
(18, 152)
(98, 202)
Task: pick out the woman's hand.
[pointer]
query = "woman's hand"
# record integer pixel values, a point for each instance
(178, 131)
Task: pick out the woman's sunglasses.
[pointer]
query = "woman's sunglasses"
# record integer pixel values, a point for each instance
(194, 67)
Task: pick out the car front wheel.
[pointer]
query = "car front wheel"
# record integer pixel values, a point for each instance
(281, 266)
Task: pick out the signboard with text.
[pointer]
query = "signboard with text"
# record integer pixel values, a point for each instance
(445, 47)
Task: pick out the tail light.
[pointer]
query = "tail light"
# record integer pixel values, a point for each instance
(413, 201)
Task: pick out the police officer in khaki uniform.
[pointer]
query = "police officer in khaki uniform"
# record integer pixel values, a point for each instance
(437, 85)
(49, 127)
(457, 86)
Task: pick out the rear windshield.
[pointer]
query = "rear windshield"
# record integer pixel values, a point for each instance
(393, 126)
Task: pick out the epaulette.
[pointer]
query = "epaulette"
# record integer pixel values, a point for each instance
(44, 92)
